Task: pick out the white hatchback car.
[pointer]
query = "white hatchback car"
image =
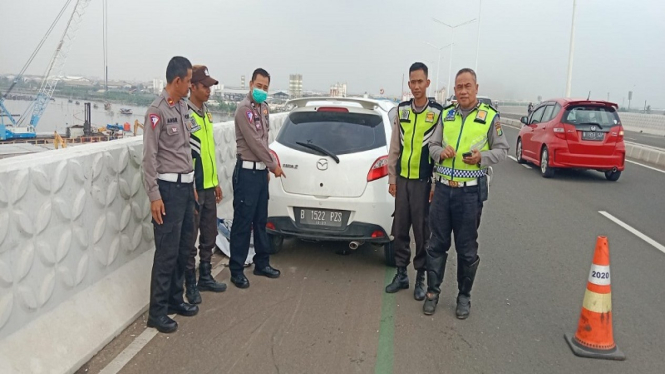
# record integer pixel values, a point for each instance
(334, 152)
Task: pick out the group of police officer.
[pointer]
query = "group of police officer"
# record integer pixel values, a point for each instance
(181, 180)
(453, 146)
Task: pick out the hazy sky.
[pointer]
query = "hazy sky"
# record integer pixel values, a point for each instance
(369, 44)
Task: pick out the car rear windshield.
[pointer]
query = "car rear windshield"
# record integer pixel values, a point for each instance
(584, 115)
(485, 100)
(338, 132)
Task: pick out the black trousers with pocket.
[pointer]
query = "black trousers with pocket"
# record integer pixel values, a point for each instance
(173, 239)
(205, 223)
(411, 209)
(250, 212)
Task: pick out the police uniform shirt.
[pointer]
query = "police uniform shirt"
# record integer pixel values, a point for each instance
(166, 146)
(496, 139)
(395, 144)
(252, 129)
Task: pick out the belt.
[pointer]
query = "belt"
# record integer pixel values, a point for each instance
(455, 184)
(176, 178)
(253, 165)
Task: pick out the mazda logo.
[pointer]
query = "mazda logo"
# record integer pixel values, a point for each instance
(593, 128)
(322, 164)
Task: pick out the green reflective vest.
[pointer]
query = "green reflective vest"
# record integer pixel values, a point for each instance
(464, 137)
(202, 141)
(416, 129)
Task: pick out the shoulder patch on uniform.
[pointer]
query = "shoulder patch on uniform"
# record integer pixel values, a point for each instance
(250, 115)
(265, 111)
(154, 120)
(209, 116)
(499, 130)
(436, 105)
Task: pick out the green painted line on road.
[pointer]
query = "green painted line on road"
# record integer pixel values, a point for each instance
(384, 355)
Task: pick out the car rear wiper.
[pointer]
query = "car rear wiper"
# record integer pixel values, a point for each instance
(320, 150)
(592, 124)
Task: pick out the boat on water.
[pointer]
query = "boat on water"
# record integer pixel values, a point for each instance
(125, 111)
(95, 106)
(107, 106)
(77, 103)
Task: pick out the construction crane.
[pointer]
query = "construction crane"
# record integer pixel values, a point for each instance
(18, 129)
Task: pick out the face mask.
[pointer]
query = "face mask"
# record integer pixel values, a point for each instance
(259, 95)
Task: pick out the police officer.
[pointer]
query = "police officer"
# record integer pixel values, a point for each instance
(410, 178)
(168, 180)
(250, 182)
(469, 140)
(209, 193)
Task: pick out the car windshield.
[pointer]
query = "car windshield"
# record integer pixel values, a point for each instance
(338, 132)
(583, 115)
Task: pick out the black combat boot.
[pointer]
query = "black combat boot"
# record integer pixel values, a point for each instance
(192, 292)
(206, 281)
(420, 289)
(435, 270)
(465, 276)
(400, 281)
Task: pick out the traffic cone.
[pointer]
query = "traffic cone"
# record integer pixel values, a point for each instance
(594, 338)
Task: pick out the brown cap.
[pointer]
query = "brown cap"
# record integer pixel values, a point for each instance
(200, 75)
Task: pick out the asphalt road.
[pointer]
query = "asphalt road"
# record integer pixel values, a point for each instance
(328, 313)
(631, 136)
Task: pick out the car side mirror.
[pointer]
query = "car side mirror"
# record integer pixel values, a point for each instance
(524, 120)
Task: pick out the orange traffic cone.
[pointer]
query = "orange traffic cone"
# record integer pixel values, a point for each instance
(594, 338)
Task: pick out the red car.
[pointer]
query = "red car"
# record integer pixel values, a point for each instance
(576, 134)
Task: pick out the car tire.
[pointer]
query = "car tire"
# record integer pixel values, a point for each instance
(612, 176)
(545, 169)
(518, 152)
(276, 243)
(389, 252)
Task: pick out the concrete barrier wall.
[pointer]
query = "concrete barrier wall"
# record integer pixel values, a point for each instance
(76, 246)
(648, 123)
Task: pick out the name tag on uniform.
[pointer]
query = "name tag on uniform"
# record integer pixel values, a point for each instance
(481, 116)
(450, 116)
(430, 117)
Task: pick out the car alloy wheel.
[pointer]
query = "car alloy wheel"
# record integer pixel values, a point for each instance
(518, 152)
(545, 170)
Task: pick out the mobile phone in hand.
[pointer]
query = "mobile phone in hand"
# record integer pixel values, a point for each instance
(467, 154)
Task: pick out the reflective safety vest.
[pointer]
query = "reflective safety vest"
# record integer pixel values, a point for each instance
(202, 141)
(416, 129)
(464, 137)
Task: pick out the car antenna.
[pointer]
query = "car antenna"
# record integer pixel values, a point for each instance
(587, 98)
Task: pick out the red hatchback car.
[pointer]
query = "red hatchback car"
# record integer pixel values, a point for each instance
(576, 134)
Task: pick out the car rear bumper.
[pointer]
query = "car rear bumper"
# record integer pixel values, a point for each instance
(563, 159)
(358, 231)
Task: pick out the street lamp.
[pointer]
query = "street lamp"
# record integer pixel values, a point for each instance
(452, 44)
(570, 53)
(438, 65)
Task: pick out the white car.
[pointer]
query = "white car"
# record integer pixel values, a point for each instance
(334, 153)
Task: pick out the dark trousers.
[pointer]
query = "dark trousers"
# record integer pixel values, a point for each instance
(456, 211)
(205, 222)
(250, 211)
(173, 239)
(411, 209)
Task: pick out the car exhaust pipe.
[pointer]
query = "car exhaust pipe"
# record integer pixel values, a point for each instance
(355, 244)
(614, 169)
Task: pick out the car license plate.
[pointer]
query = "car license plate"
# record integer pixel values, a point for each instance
(320, 217)
(591, 135)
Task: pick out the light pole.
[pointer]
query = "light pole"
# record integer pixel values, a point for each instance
(480, 7)
(438, 65)
(452, 44)
(570, 53)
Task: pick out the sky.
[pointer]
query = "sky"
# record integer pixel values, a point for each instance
(369, 44)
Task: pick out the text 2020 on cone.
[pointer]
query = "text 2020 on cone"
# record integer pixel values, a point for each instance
(594, 338)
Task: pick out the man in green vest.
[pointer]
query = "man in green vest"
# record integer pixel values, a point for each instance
(209, 193)
(410, 178)
(464, 145)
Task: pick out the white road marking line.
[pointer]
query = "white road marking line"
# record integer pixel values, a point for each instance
(139, 342)
(626, 226)
(512, 158)
(526, 166)
(646, 166)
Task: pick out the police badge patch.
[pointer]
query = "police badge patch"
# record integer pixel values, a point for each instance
(209, 116)
(481, 116)
(250, 116)
(404, 115)
(195, 126)
(430, 117)
(450, 116)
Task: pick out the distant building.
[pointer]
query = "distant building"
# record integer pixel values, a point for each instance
(338, 90)
(440, 96)
(295, 86)
(216, 89)
(242, 81)
(157, 85)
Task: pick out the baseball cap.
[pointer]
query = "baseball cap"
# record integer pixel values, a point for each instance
(200, 75)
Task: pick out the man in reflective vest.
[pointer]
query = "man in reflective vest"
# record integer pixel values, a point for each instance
(209, 193)
(468, 140)
(410, 178)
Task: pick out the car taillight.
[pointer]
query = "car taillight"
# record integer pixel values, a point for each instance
(621, 134)
(559, 131)
(377, 234)
(379, 169)
(270, 226)
(274, 155)
(332, 109)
